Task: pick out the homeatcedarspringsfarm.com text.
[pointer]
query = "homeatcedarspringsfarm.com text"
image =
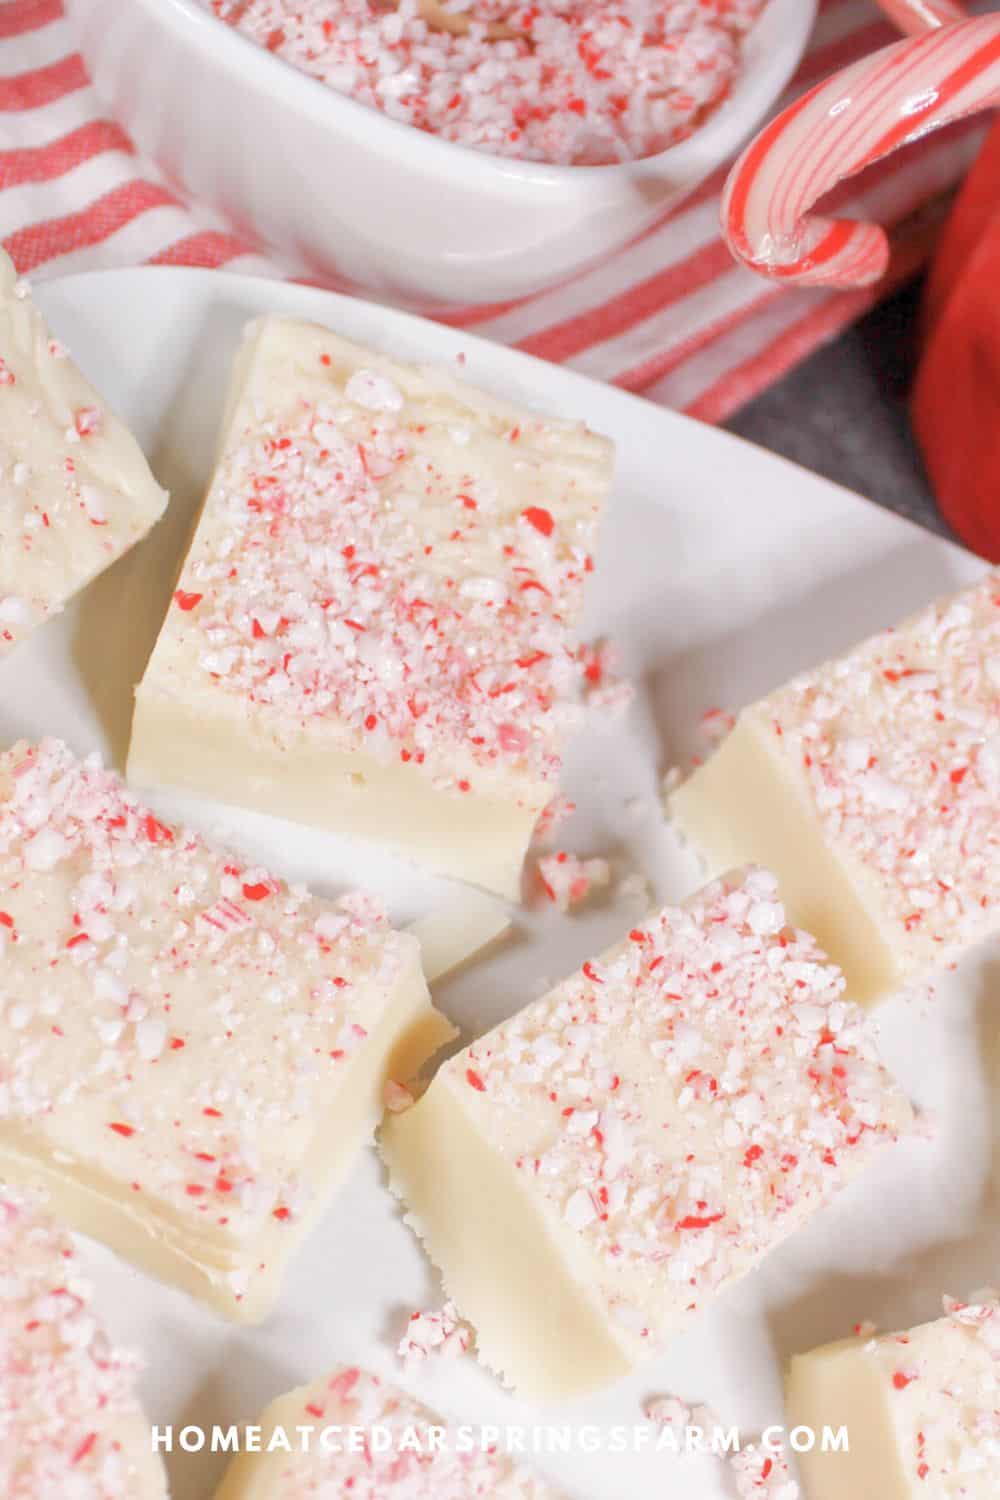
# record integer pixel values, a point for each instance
(513, 1439)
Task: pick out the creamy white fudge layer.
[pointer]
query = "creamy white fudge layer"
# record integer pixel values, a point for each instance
(922, 1409)
(871, 786)
(75, 490)
(191, 1052)
(596, 1169)
(373, 630)
(70, 1425)
(401, 1451)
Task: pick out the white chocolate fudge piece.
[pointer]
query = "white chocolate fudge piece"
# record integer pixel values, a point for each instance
(922, 1411)
(70, 1422)
(395, 1449)
(453, 935)
(75, 489)
(871, 786)
(373, 630)
(596, 1169)
(191, 1052)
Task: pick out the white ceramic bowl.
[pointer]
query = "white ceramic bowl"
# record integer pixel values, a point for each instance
(349, 191)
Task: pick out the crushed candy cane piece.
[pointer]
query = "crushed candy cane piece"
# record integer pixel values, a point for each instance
(603, 687)
(568, 881)
(668, 1413)
(441, 1332)
(762, 1473)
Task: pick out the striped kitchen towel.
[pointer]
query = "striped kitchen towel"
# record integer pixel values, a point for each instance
(669, 315)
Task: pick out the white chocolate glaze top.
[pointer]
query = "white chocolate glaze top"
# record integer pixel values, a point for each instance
(171, 1022)
(75, 490)
(899, 746)
(681, 1103)
(389, 561)
(70, 1423)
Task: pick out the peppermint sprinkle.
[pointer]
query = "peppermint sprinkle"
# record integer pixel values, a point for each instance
(567, 82)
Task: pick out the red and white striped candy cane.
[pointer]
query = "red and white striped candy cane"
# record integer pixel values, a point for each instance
(861, 114)
(923, 15)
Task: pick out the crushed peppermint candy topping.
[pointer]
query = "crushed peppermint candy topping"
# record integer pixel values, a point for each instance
(899, 746)
(174, 1019)
(695, 1094)
(70, 1423)
(569, 881)
(943, 1382)
(75, 490)
(761, 1472)
(668, 1414)
(415, 1465)
(358, 574)
(603, 686)
(982, 1312)
(439, 1332)
(562, 82)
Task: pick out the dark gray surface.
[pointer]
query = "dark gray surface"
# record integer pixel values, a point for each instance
(843, 413)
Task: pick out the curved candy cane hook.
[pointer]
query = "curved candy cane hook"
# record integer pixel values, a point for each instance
(858, 116)
(923, 15)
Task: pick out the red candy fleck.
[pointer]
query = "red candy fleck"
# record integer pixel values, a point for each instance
(258, 891)
(87, 421)
(155, 831)
(540, 519)
(694, 1221)
(85, 1448)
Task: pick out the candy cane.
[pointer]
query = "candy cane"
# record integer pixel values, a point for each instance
(923, 15)
(858, 116)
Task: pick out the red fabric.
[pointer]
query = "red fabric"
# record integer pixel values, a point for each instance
(978, 203)
(956, 404)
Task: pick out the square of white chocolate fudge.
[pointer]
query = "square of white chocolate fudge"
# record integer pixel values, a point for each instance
(71, 1422)
(75, 490)
(871, 787)
(353, 1435)
(596, 1169)
(373, 631)
(191, 1052)
(921, 1409)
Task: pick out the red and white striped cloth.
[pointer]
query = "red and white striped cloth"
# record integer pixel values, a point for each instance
(669, 316)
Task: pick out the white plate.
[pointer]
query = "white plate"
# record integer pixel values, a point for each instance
(721, 571)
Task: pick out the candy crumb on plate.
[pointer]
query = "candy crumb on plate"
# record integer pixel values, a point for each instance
(440, 1331)
(568, 881)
